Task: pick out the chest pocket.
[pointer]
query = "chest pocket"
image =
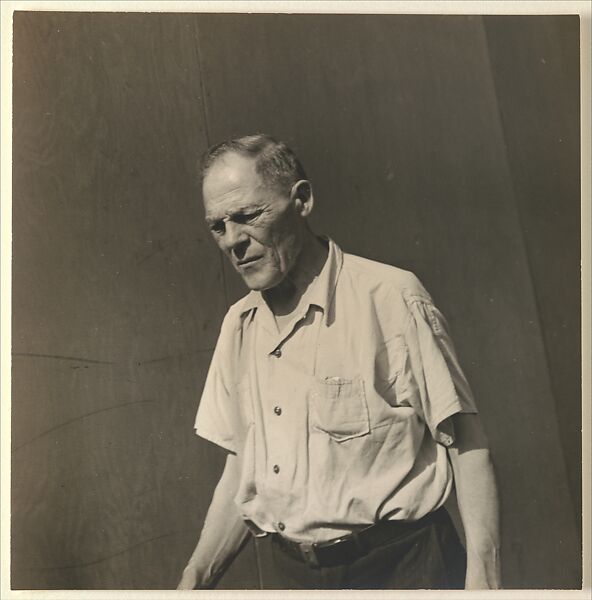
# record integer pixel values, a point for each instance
(338, 407)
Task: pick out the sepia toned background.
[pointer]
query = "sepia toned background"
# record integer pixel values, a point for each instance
(444, 145)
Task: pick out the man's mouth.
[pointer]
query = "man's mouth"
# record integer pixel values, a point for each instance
(248, 261)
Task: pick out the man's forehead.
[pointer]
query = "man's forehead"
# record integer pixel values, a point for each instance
(232, 185)
(231, 169)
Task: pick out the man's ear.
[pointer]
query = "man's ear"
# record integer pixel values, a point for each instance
(301, 194)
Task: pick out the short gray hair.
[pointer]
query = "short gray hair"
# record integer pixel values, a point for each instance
(276, 163)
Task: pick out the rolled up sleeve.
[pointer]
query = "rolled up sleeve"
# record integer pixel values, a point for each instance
(437, 384)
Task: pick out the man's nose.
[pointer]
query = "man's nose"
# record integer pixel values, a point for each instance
(235, 238)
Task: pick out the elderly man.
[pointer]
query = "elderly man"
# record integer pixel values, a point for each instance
(337, 394)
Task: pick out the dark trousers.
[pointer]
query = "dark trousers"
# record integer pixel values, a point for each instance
(429, 558)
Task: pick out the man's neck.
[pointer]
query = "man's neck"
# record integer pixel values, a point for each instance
(284, 299)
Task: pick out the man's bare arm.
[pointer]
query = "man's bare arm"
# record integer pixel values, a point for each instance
(478, 502)
(222, 536)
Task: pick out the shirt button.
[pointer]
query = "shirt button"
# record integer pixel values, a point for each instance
(277, 410)
(277, 353)
(276, 469)
(281, 526)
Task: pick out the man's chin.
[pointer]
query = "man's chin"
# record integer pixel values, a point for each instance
(258, 284)
(256, 287)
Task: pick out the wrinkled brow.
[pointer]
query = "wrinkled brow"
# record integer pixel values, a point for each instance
(236, 212)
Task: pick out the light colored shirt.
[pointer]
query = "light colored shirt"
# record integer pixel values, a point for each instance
(340, 420)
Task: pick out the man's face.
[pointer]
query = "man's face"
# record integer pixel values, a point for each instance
(257, 226)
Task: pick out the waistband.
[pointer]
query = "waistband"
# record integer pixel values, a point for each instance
(347, 548)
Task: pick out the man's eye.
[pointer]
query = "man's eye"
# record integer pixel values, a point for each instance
(217, 227)
(248, 217)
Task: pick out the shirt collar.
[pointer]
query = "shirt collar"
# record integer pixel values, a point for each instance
(320, 293)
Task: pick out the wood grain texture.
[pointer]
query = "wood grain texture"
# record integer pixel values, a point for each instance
(397, 121)
(118, 297)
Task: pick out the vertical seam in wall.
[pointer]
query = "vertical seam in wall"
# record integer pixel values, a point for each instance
(202, 84)
(206, 119)
(525, 249)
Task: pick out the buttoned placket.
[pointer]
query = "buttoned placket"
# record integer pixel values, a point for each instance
(277, 411)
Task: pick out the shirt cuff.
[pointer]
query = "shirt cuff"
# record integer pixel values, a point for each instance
(227, 444)
(443, 429)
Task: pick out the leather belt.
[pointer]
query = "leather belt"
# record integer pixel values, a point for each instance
(347, 548)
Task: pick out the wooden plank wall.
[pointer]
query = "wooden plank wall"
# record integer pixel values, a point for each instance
(118, 293)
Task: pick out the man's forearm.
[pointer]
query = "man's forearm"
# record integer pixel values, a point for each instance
(223, 533)
(478, 504)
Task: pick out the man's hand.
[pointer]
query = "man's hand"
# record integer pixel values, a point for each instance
(193, 580)
(188, 579)
(222, 537)
(483, 571)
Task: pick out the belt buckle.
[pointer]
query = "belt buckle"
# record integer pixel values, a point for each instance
(309, 554)
(338, 540)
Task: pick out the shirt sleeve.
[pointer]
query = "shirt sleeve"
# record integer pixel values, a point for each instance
(433, 379)
(216, 421)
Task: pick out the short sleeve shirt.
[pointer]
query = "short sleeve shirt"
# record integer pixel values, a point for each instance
(341, 419)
